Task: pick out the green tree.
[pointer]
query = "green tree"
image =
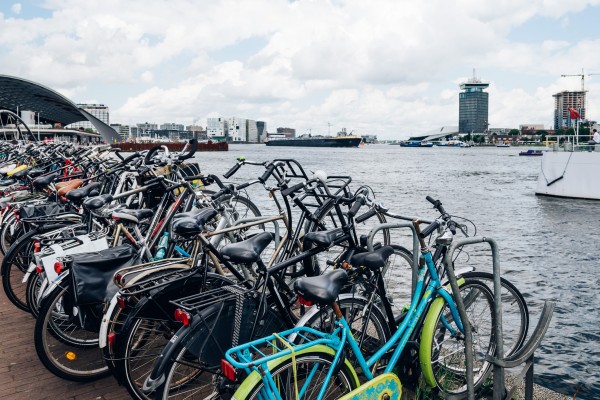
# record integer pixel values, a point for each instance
(89, 130)
(467, 137)
(570, 131)
(513, 132)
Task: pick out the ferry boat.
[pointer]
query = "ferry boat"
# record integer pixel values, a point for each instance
(415, 143)
(317, 141)
(531, 152)
(570, 171)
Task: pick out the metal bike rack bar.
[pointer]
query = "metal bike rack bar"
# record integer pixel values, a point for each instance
(522, 355)
(416, 249)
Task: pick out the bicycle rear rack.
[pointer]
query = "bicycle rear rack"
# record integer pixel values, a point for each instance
(522, 355)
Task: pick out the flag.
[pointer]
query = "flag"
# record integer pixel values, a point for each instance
(574, 114)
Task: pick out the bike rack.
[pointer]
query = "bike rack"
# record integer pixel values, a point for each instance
(522, 355)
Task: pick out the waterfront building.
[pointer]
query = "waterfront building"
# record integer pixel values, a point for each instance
(562, 102)
(216, 129)
(170, 126)
(124, 131)
(261, 126)
(99, 111)
(473, 104)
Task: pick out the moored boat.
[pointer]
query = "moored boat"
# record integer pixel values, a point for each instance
(318, 141)
(531, 152)
(415, 143)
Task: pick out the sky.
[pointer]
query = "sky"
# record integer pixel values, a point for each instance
(390, 68)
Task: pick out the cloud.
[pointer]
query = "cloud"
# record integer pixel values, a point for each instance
(16, 8)
(385, 67)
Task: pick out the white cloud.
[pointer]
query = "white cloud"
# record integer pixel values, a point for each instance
(16, 8)
(390, 67)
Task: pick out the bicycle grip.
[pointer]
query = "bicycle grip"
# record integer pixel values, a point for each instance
(430, 228)
(232, 171)
(356, 206)
(290, 190)
(267, 173)
(194, 146)
(431, 200)
(366, 216)
(243, 186)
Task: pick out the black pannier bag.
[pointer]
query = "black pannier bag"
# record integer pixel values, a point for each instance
(40, 210)
(92, 282)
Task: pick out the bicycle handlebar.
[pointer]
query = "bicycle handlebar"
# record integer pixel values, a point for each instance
(232, 170)
(194, 146)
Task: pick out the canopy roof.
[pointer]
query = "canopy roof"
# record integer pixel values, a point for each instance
(17, 94)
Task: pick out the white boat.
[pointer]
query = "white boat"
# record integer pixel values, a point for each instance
(571, 174)
(503, 145)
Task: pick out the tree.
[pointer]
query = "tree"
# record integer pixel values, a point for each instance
(570, 131)
(513, 132)
(88, 130)
(468, 137)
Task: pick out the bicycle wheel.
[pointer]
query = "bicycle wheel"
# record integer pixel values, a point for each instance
(32, 292)
(149, 328)
(329, 219)
(11, 230)
(195, 369)
(397, 278)
(515, 313)
(14, 265)
(307, 372)
(369, 326)
(65, 349)
(442, 348)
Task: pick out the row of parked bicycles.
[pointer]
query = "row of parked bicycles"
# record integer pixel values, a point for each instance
(181, 286)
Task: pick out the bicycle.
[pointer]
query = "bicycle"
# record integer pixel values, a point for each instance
(331, 349)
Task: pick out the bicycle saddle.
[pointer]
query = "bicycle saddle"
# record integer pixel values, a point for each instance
(134, 216)
(188, 226)
(322, 238)
(44, 181)
(64, 187)
(94, 203)
(188, 214)
(373, 260)
(34, 172)
(77, 195)
(247, 251)
(322, 289)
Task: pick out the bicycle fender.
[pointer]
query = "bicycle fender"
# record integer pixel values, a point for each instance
(251, 380)
(385, 386)
(30, 270)
(427, 336)
(55, 283)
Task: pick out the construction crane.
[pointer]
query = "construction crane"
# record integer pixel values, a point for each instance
(582, 75)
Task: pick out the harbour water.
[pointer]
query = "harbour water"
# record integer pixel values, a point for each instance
(548, 247)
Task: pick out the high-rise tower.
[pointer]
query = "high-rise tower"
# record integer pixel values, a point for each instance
(473, 106)
(562, 102)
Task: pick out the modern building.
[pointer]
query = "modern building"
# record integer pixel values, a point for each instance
(261, 126)
(171, 126)
(562, 102)
(217, 129)
(99, 111)
(473, 104)
(124, 131)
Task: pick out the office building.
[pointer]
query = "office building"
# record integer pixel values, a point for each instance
(261, 126)
(562, 102)
(216, 129)
(473, 105)
(287, 132)
(99, 111)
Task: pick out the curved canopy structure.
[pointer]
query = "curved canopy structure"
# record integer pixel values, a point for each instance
(20, 94)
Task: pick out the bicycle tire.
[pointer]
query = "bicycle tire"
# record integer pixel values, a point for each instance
(7, 238)
(32, 292)
(370, 337)
(313, 365)
(444, 366)
(515, 313)
(73, 358)
(14, 266)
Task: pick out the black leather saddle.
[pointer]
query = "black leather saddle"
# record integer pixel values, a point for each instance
(192, 223)
(94, 203)
(322, 289)
(322, 239)
(44, 181)
(247, 251)
(77, 195)
(134, 216)
(35, 172)
(373, 260)
(22, 173)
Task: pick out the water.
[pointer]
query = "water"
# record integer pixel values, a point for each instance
(548, 247)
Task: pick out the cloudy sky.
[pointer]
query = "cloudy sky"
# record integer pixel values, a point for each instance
(390, 68)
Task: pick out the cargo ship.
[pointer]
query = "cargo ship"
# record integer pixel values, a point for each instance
(317, 141)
